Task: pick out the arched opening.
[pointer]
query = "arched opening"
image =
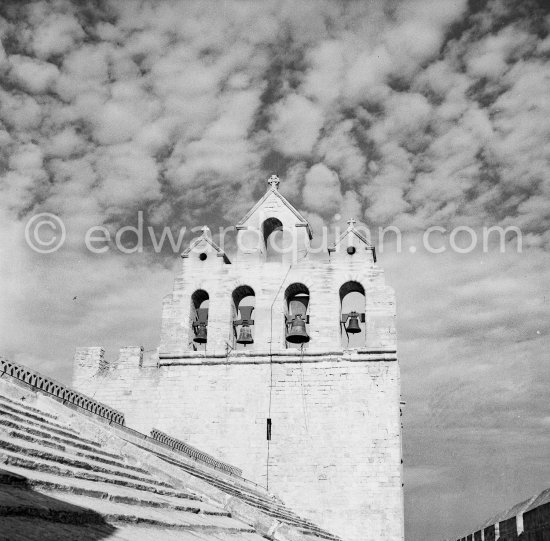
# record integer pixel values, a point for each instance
(296, 315)
(199, 316)
(275, 240)
(244, 301)
(352, 315)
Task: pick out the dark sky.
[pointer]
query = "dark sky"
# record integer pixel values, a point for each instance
(410, 114)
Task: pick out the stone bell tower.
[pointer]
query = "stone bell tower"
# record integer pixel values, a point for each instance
(282, 364)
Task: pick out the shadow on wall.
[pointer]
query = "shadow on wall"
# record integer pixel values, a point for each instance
(32, 516)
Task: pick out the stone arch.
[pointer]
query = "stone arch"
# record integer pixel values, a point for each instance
(275, 238)
(243, 303)
(200, 300)
(352, 314)
(296, 306)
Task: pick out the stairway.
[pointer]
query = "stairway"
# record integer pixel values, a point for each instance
(256, 499)
(57, 484)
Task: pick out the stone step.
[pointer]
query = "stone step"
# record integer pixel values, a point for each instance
(12, 459)
(51, 440)
(267, 505)
(26, 503)
(46, 481)
(15, 435)
(117, 511)
(254, 498)
(22, 422)
(13, 479)
(36, 529)
(34, 450)
(81, 509)
(22, 413)
(233, 485)
(317, 532)
(22, 529)
(20, 404)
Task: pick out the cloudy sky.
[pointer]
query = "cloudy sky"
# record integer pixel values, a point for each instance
(411, 114)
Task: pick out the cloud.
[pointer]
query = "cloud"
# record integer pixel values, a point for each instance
(295, 126)
(406, 113)
(57, 34)
(339, 150)
(322, 190)
(32, 75)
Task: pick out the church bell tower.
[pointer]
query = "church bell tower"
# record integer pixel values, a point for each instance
(295, 361)
(282, 363)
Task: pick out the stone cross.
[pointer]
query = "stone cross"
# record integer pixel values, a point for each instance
(273, 181)
(352, 222)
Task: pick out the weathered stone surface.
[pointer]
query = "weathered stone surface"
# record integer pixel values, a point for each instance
(335, 448)
(120, 491)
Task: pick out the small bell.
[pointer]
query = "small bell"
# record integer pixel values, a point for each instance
(245, 335)
(297, 333)
(353, 325)
(200, 334)
(199, 326)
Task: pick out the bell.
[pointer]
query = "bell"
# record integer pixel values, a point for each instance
(297, 333)
(199, 326)
(353, 325)
(200, 334)
(245, 335)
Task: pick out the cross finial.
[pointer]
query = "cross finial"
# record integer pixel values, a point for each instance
(273, 181)
(352, 222)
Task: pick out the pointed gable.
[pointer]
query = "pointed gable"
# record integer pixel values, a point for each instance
(209, 245)
(273, 199)
(352, 231)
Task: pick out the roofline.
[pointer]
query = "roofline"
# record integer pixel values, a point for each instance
(302, 221)
(220, 252)
(362, 238)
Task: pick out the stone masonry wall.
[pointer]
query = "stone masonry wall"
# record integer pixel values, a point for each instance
(335, 452)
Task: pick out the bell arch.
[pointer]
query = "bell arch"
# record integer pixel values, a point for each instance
(296, 314)
(199, 317)
(352, 314)
(275, 238)
(243, 303)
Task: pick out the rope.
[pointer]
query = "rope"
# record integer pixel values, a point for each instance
(271, 368)
(271, 363)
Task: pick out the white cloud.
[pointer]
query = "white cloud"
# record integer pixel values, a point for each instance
(490, 56)
(339, 150)
(56, 35)
(322, 190)
(32, 75)
(127, 177)
(64, 143)
(295, 126)
(362, 108)
(116, 123)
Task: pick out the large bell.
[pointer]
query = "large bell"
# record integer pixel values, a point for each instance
(245, 335)
(353, 325)
(199, 326)
(200, 334)
(297, 333)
